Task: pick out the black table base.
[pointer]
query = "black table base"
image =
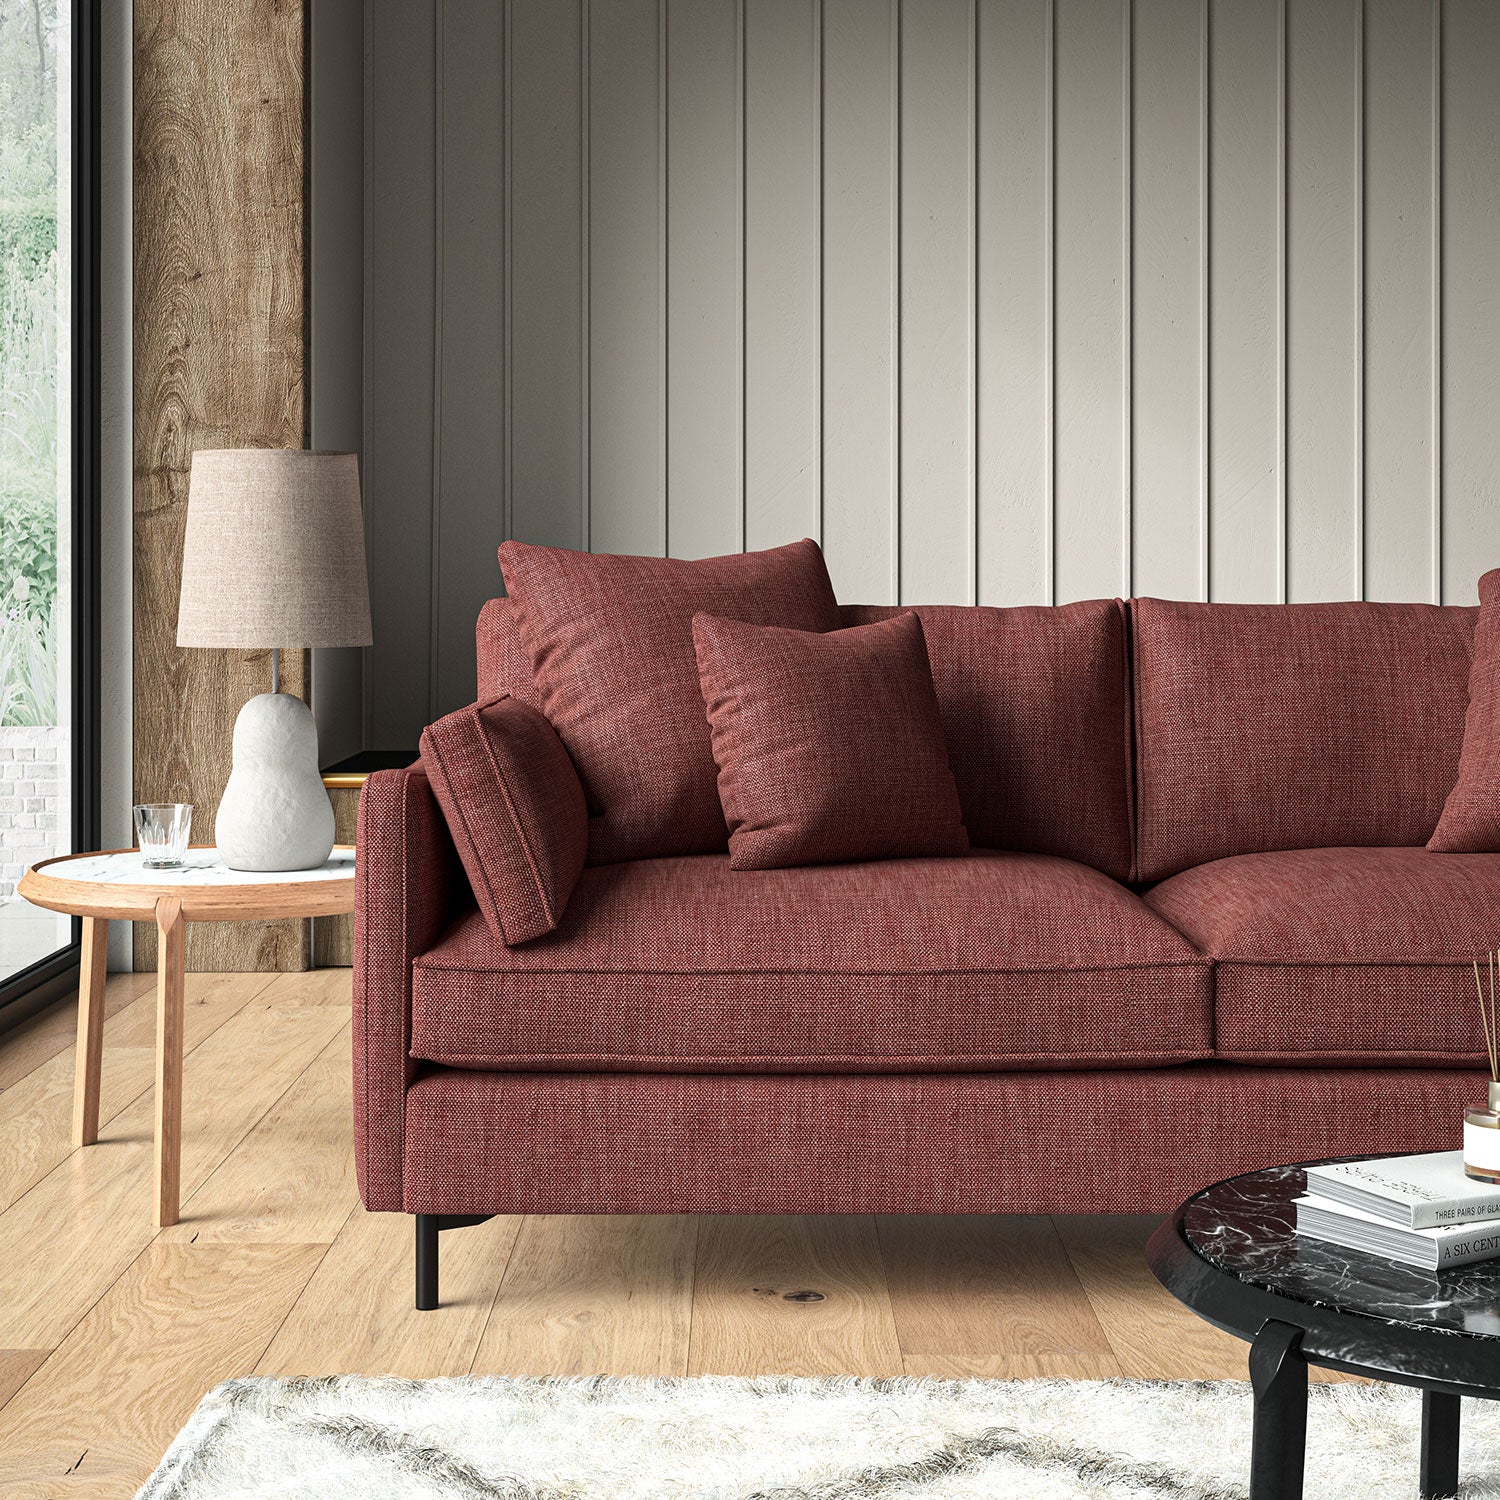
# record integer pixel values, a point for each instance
(1278, 1446)
(1232, 1255)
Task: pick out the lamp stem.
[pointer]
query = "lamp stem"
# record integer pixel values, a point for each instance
(275, 669)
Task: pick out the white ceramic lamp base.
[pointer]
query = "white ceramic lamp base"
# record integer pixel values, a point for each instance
(275, 814)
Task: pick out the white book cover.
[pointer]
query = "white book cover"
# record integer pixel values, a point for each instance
(1417, 1192)
(1432, 1249)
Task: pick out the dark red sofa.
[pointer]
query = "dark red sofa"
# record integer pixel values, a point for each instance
(1198, 933)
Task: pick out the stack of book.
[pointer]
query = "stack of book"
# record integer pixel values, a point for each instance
(1421, 1210)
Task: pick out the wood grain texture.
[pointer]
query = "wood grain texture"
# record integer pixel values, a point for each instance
(989, 1296)
(357, 1316)
(117, 1330)
(92, 959)
(146, 1353)
(17, 1366)
(105, 1194)
(34, 1135)
(583, 1294)
(218, 361)
(29, 1045)
(777, 1295)
(291, 1180)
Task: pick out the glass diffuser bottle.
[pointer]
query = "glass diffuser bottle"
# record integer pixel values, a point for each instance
(1482, 1126)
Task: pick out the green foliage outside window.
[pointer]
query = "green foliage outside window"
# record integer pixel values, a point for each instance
(30, 315)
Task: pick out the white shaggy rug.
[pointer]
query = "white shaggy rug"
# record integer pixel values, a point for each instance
(494, 1438)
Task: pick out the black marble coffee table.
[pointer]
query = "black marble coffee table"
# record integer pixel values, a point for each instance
(1231, 1255)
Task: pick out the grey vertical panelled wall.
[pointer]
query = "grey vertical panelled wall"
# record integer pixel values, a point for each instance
(1007, 301)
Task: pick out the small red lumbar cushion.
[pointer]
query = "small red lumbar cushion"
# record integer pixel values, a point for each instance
(829, 747)
(1470, 823)
(611, 646)
(515, 809)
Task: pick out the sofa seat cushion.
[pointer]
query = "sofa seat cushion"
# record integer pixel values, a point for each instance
(985, 960)
(1361, 956)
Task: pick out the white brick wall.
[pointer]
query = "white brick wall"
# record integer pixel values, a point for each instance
(34, 810)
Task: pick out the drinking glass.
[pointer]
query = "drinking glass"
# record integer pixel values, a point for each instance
(161, 829)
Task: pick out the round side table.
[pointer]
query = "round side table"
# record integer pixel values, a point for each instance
(115, 886)
(1233, 1255)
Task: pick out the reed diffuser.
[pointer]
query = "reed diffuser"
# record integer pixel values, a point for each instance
(1482, 1126)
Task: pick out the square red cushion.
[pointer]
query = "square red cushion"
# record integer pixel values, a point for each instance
(829, 747)
(611, 647)
(515, 809)
(1471, 816)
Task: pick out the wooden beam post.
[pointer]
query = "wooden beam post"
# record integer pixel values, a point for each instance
(219, 362)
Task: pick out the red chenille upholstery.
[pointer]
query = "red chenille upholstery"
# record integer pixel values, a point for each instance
(993, 1032)
(1120, 1142)
(1293, 726)
(829, 746)
(1342, 955)
(1471, 815)
(515, 809)
(409, 886)
(1036, 706)
(504, 666)
(986, 960)
(611, 646)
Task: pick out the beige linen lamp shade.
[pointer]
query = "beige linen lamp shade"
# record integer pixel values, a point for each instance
(274, 553)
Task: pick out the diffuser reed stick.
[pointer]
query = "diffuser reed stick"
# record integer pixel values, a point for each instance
(1482, 1126)
(1487, 1017)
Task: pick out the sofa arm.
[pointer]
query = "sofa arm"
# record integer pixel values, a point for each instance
(408, 889)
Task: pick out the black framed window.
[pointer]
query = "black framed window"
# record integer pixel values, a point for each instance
(49, 472)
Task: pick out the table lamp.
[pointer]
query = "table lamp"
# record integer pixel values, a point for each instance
(274, 556)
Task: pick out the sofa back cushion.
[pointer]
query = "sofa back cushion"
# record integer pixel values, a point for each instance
(504, 666)
(1293, 726)
(1035, 707)
(610, 639)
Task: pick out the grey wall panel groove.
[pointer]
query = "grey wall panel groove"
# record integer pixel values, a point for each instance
(1005, 300)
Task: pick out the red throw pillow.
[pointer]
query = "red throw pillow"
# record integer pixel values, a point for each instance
(1470, 823)
(829, 747)
(515, 809)
(611, 646)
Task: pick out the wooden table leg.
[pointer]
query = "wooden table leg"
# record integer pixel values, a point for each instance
(90, 1031)
(170, 962)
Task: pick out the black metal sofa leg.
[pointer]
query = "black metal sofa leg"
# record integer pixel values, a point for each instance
(429, 1226)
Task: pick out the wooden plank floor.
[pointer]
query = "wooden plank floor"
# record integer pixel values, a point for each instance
(110, 1332)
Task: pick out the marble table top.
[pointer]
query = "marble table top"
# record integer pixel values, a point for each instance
(202, 868)
(1244, 1227)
